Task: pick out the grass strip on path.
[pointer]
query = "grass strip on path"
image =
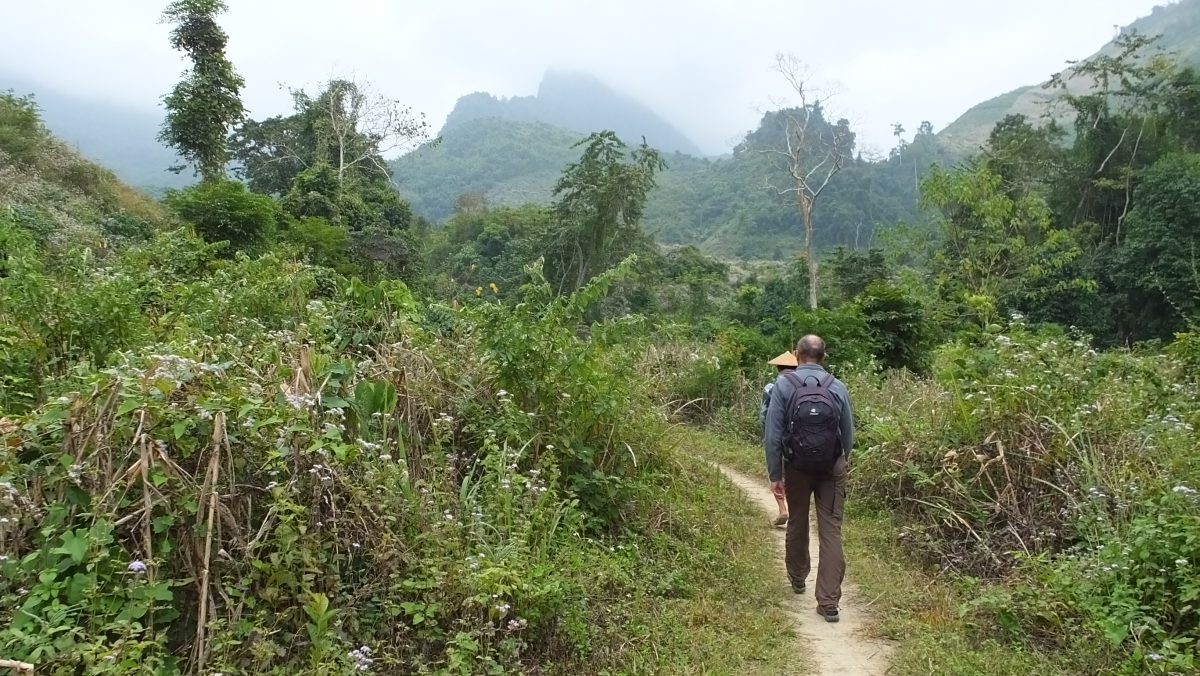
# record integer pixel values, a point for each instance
(733, 620)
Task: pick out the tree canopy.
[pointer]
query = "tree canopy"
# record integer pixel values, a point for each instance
(206, 103)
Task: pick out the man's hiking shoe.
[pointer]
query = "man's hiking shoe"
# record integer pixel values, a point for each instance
(781, 520)
(830, 614)
(798, 588)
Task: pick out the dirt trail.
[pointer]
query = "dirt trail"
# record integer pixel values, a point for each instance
(836, 648)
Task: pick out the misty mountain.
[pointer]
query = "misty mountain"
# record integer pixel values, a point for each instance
(580, 103)
(1177, 24)
(122, 139)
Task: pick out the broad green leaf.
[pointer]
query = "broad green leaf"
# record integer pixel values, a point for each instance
(74, 544)
(127, 406)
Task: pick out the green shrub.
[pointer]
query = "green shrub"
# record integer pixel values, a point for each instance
(849, 339)
(35, 220)
(320, 242)
(21, 132)
(898, 327)
(315, 193)
(92, 180)
(1186, 349)
(1139, 587)
(764, 304)
(224, 211)
(584, 390)
(454, 488)
(128, 227)
(393, 252)
(84, 313)
(1066, 471)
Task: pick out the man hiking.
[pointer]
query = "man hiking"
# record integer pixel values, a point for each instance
(808, 436)
(784, 362)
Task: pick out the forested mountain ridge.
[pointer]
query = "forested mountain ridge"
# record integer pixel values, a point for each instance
(1177, 26)
(580, 103)
(738, 207)
(721, 205)
(123, 138)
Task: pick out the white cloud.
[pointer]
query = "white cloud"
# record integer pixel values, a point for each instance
(704, 64)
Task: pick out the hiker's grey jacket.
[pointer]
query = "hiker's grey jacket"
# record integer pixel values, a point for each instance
(777, 410)
(766, 399)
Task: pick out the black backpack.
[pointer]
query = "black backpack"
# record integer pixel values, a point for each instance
(812, 439)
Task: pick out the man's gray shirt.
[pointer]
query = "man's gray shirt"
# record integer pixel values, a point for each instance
(777, 410)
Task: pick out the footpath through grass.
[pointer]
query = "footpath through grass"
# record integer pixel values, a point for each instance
(731, 618)
(927, 613)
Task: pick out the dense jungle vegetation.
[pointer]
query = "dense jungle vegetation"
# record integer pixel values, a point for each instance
(281, 424)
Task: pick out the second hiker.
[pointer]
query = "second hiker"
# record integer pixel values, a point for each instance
(784, 362)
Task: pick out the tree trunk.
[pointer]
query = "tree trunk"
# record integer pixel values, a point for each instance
(806, 210)
(341, 159)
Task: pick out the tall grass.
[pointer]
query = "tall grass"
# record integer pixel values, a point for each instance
(1065, 473)
(275, 470)
(1055, 484)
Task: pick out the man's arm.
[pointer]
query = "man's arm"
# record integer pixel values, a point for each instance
(773, 432)
(847, 426)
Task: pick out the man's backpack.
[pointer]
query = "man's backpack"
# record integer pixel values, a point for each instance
(812, 440)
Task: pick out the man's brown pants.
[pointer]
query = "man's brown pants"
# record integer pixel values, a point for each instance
(829, 492)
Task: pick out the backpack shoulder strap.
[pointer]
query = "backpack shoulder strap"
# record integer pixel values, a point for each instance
(824, 386)
(794, 378)
(802, 381)
(826, 382)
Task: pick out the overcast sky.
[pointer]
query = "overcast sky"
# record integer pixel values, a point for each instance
(703, 64)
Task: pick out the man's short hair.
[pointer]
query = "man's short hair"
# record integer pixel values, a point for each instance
(812, 348)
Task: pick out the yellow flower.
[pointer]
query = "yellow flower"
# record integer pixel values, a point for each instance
(493, 287)
(478, 290)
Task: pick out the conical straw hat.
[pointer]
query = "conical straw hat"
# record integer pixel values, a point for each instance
(785, 359)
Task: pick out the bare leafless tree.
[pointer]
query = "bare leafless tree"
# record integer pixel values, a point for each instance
(359, 126)
(812, 150)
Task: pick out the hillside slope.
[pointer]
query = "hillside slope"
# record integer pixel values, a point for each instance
(122, 139)
(505, 161)
(56, 195)
(1177, 24)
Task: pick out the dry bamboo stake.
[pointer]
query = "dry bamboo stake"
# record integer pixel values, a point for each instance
(147, 506)
(210, 491)
(21, 668)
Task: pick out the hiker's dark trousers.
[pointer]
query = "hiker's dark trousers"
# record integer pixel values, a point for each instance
(829, 492)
